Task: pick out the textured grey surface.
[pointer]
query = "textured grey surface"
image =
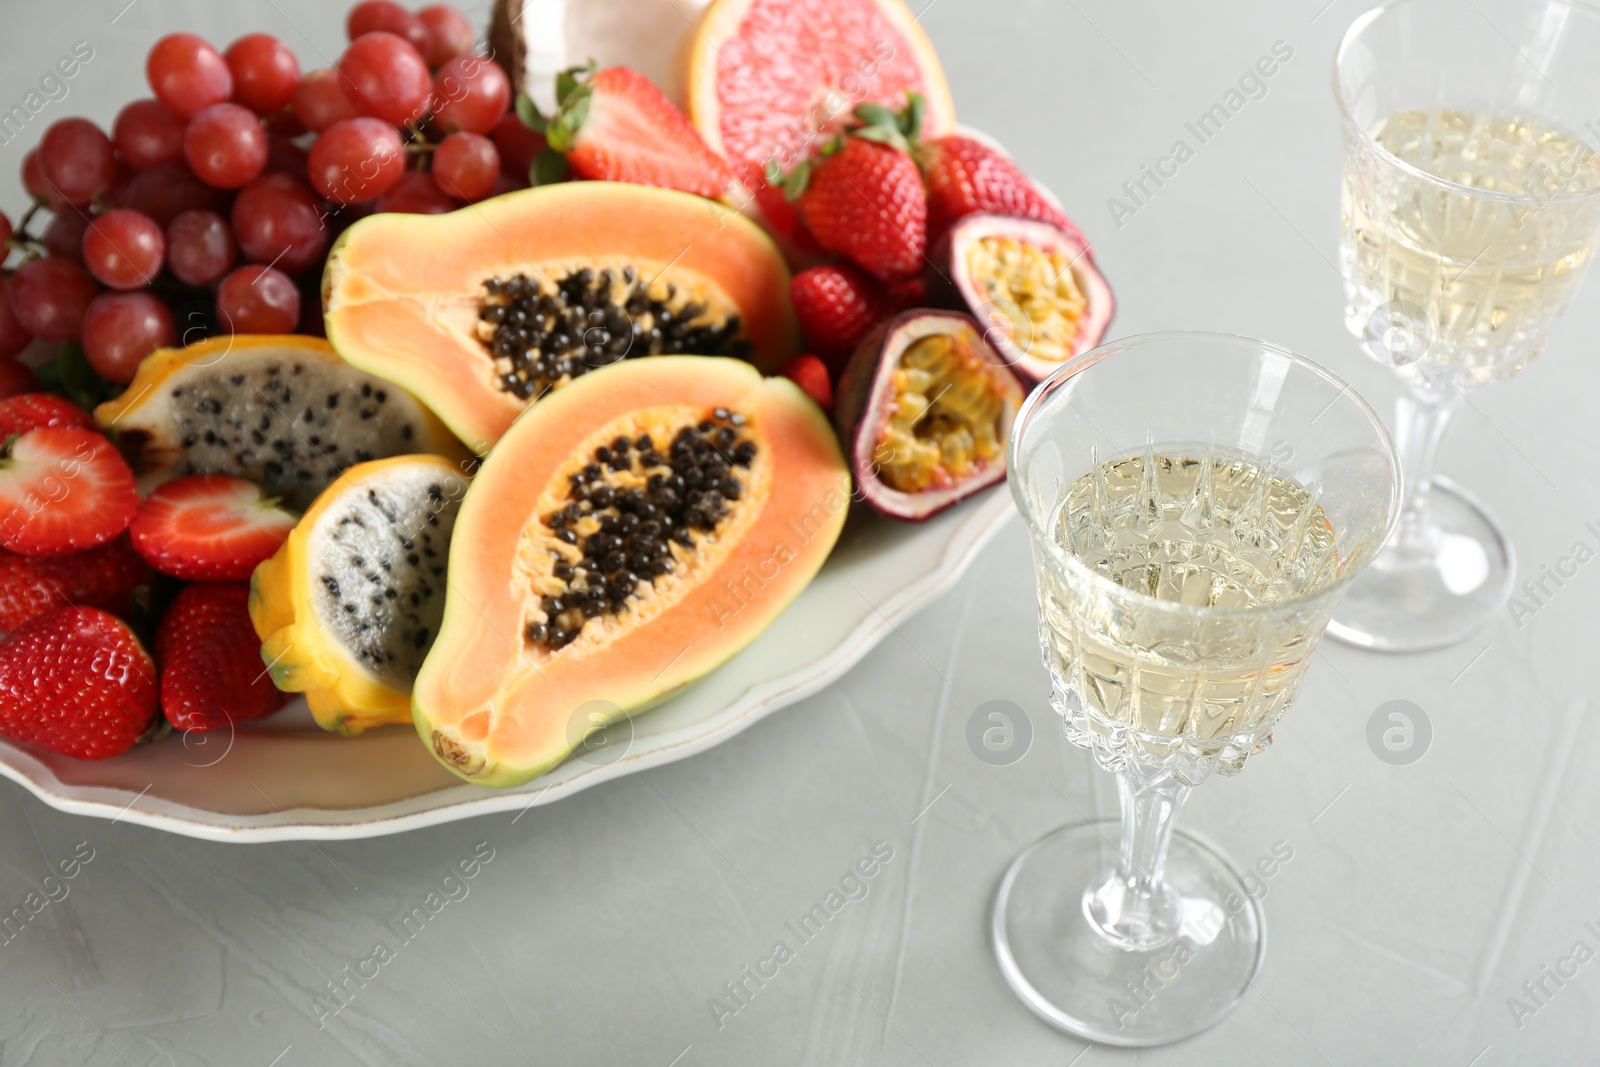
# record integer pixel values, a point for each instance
(1418, 900)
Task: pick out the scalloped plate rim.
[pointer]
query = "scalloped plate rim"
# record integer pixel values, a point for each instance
(463, 801)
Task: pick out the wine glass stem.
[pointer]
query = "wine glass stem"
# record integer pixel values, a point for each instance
(1133, 906)
(1422, 414)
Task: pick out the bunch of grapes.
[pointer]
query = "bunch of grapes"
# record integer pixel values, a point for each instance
(210, 207)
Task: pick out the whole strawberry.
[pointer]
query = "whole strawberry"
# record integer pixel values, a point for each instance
(211, 669)
(864, 200)
(106, 576)
(965, 176)
(76, 681)
(837, 305)
(811, 375)
(29, 411)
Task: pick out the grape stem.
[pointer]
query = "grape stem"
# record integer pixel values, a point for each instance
(21, 239)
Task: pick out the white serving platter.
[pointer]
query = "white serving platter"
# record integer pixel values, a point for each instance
(284, 778)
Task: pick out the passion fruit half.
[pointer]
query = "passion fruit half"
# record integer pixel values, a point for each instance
(924, 409)
(1033, 286)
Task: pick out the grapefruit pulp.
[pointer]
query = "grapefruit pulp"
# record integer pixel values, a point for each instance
(768, 78)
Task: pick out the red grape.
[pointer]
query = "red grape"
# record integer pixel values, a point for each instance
(77, 160)
(450, 34)
(278, 221)
(356, 160)
(168, 188)
(117, 195)
(63, 238)
(285, 123)
(264, 72)
(226, 146)
(49, 296)
(311, 323)
(387, 78)
(33, 181)
(124, 249)
(16, 377)
(518, 145)
(5, 233)
(373, 16)
(320, 100)
(120, 329)
(200, 248)
(470, 93)
(465, 165)
(187, 74)
(417, 194)
(256, 299)
(148, 132)
(286, 157)
(13, 338)
(508, 183)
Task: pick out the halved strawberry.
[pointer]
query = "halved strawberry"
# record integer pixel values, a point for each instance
(63, 489)
(29, 411)
(615, 125)
(209, 527)
(76, 681)
(210, 656)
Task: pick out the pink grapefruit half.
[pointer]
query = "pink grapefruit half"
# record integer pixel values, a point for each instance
(768, 78)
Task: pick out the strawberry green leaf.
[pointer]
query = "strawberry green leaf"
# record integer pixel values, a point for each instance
(549, 167)
(529, 113)
(883, 135)
(876, 115)
(569, 80)
(911, 121)
(774, 174)
(795, 184)
(562, 130)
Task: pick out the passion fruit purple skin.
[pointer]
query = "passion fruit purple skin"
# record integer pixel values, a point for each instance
(950, 285)
(866, 392)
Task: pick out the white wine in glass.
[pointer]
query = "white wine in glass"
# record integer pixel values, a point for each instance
(1487, 274)
(1196, 504)
(1203, 529)
(1471, 211)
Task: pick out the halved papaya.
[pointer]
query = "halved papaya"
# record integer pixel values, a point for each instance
(484, 310)
(628, 534)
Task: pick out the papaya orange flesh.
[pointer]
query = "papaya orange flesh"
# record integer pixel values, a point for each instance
(524, 665)
(407, 296)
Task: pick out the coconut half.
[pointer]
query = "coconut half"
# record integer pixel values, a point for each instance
(925, 409)
(1034, 287)
(537, 39)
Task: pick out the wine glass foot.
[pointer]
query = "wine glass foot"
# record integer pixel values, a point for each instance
(1071, 976)
(1407, 603)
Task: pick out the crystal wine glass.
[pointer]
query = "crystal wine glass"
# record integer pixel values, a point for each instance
(1197, 503)
(1471, 212)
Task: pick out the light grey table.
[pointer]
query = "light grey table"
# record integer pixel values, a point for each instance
(1418, 901)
